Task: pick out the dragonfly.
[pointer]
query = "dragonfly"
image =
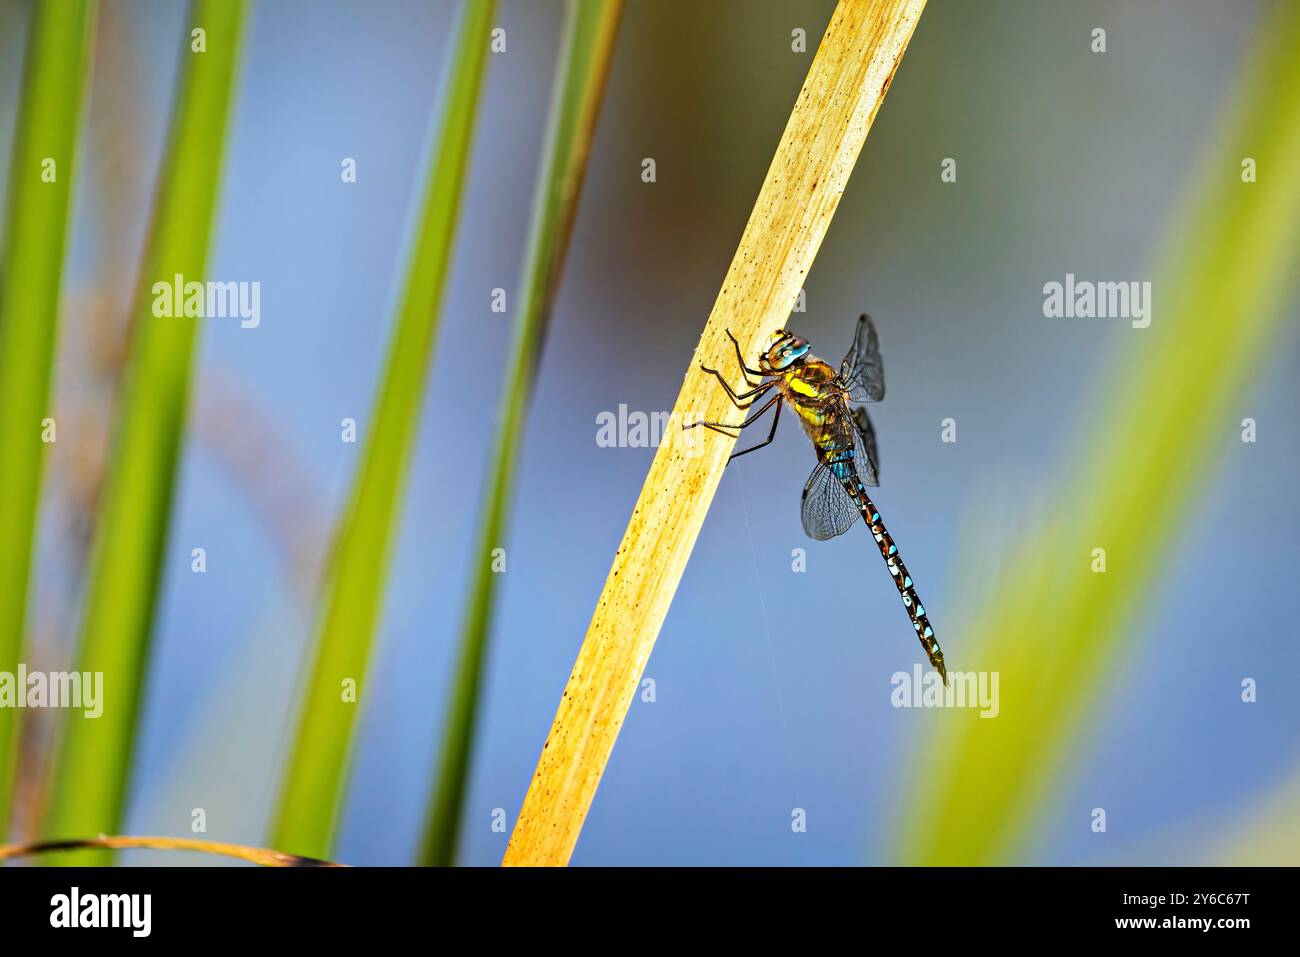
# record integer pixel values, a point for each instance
(829, 405)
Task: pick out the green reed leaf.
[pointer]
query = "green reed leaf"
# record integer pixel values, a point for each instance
(312, 791)
(126, 569)
(591, 27)
(31, 269)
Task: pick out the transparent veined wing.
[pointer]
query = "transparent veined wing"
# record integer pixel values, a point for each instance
(864, 443)
(861, 371)
(827, 509)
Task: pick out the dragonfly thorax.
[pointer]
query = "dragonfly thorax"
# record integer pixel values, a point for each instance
(811, 379)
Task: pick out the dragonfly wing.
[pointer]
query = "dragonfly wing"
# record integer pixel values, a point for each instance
(864, 441)
(862, 371)
(827, 509)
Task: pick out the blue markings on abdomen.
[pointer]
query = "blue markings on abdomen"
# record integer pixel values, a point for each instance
(841, 464)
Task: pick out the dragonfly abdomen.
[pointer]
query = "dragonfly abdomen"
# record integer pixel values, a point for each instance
(898, 571)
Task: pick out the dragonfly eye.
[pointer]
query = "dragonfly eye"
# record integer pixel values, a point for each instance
(786, 350)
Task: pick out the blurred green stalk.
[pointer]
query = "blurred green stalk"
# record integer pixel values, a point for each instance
(31, 269)
(591, 27)
(1054, 629)
(94, 764)
(312, 791)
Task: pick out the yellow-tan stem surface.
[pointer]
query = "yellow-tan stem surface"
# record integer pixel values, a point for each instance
(845, 86)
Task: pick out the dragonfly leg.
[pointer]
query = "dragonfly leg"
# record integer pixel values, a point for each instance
(721, 426)
(740, 360)
(767, 441)
(735, 396)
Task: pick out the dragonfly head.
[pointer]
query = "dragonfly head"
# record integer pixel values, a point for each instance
(786, 350)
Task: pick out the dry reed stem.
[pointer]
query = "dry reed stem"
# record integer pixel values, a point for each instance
(256, 855)
(843, 90)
